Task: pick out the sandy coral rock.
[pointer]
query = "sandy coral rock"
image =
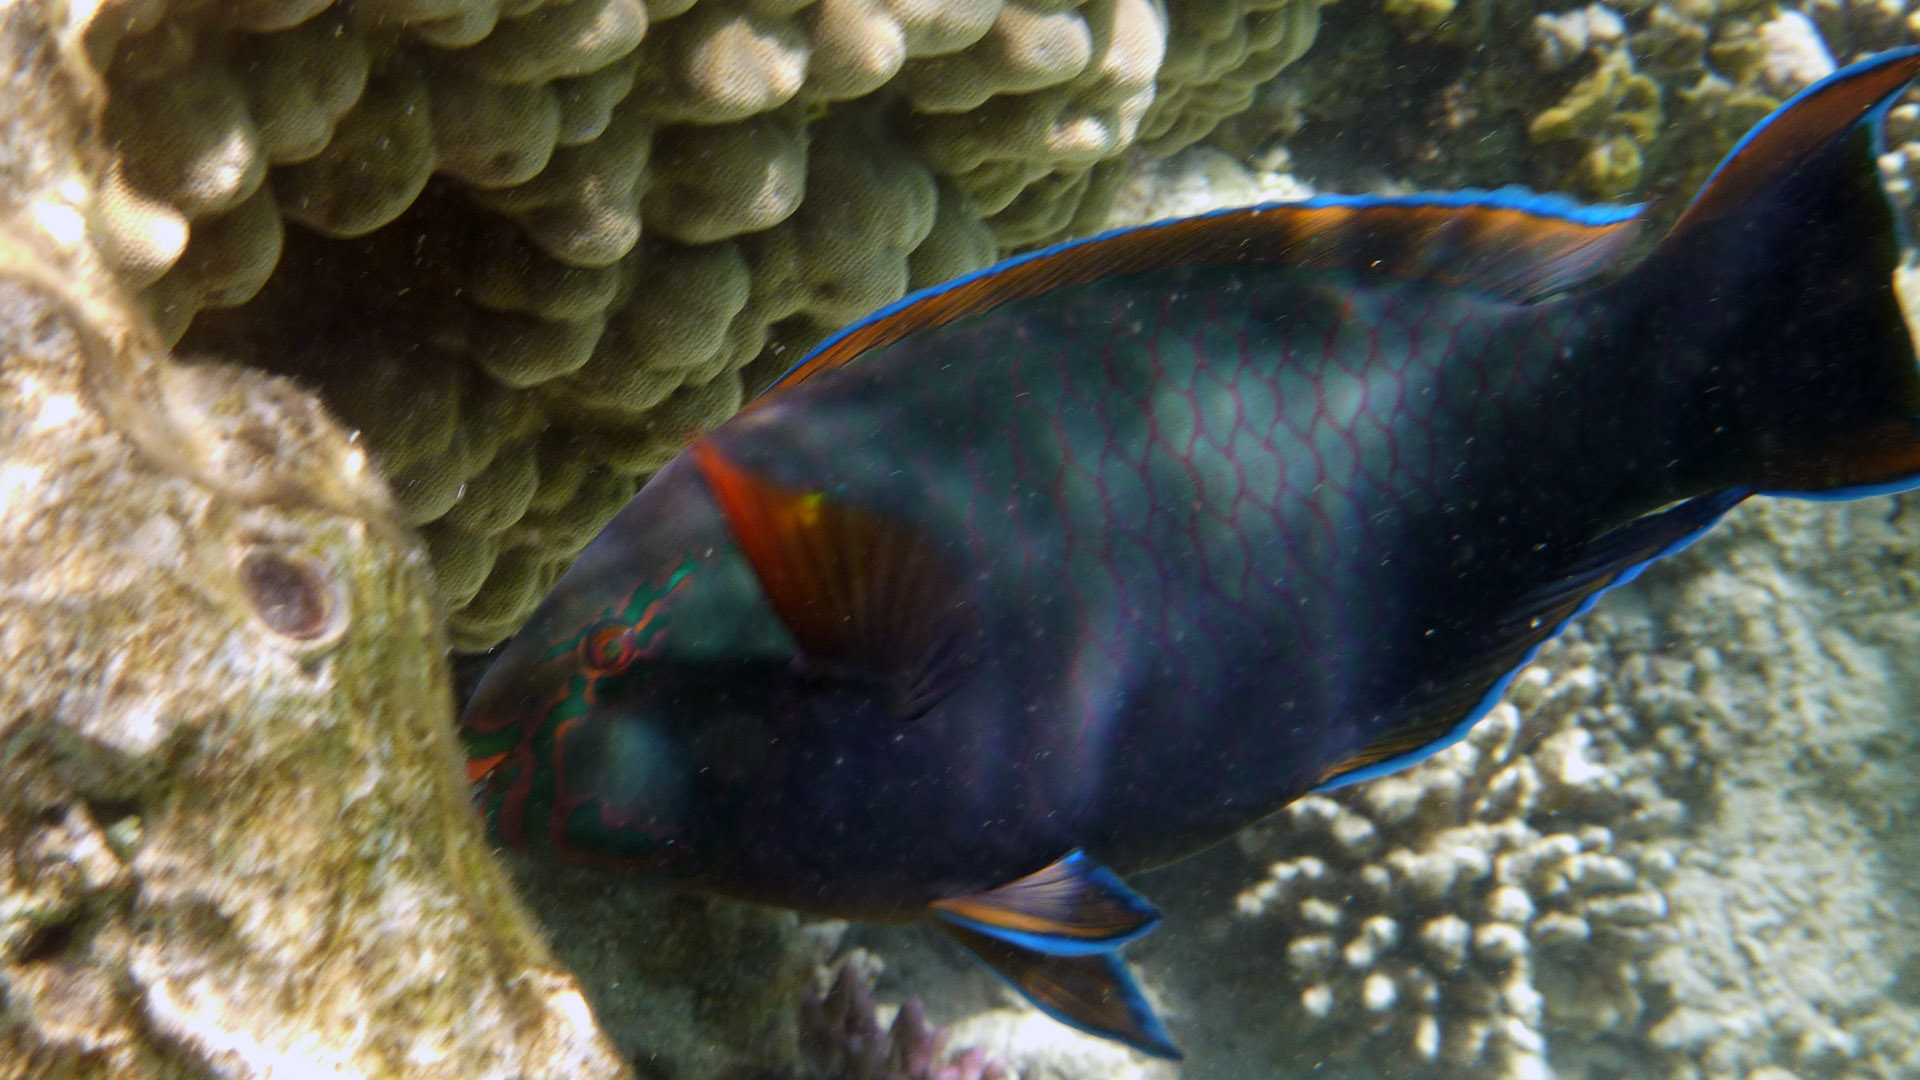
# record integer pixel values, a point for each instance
(234, 839)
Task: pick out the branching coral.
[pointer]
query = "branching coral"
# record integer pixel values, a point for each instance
(841, 1039)
(607, 219)
(1621, 100)
(1456, 914)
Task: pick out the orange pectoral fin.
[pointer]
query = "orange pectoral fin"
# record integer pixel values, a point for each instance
(857, 591)
(1072, 906)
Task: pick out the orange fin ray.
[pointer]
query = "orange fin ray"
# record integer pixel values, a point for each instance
(859, 593)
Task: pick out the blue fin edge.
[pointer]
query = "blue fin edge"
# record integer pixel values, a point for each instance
(1511, 197)
(1158, 1042)
(1048, 945)
(1864, 491)
(1875, 119)
(1733, 497)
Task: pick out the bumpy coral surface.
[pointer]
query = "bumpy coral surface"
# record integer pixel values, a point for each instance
(527, 248)
(841, 1039)
(234, 839)
(1449, 919)
(1622, 101)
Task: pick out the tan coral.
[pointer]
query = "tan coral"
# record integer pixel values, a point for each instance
(1461, 913)
(299, 84)
(233, 833)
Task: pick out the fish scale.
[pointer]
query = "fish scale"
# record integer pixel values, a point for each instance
(1085, 561)
(1157, 534)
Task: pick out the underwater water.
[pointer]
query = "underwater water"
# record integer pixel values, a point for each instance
(337, 331)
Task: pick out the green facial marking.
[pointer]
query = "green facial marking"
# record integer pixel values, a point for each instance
(638, 612)
(542, 786)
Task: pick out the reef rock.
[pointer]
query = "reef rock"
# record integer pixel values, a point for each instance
(234, 839)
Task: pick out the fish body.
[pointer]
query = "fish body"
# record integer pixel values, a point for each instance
(1083, 563)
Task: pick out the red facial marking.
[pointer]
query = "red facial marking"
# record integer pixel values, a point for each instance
(609, 648)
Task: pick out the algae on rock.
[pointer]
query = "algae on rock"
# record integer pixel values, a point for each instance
(234, 838)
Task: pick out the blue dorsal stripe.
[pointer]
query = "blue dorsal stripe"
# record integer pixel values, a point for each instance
(1511, 261)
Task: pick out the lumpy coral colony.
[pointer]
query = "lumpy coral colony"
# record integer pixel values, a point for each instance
(563, 234)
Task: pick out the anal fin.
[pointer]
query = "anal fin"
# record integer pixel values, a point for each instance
(1438, 714)
(1093, 992)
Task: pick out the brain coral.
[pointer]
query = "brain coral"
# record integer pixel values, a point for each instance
(527, 247)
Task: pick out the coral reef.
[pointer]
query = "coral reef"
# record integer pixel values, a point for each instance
(841, 1039)
(234, 838)
(1681, 847)
(1449, 919)
(526, 248)
(1626, 101)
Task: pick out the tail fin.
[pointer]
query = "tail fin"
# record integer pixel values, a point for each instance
(1787, 261)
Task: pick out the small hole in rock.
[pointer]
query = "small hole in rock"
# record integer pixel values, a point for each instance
(290, 591)
(48, 942)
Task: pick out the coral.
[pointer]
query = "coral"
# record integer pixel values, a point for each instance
(1616, 111)
(841, 1039)
(605, 220)
(1634, 100)
(234, 837)
(1792, 629)
(1453, 917)
(1681, 848)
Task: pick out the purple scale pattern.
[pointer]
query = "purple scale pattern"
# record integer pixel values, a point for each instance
(1192, 507)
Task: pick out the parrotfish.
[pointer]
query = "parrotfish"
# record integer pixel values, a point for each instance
(1076, 565)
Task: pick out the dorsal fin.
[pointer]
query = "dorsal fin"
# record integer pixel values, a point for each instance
(1806, 125)
(1509, 244)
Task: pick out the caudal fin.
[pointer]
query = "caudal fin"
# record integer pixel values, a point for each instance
(1786, 262)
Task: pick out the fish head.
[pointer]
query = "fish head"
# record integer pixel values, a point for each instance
(628, 721)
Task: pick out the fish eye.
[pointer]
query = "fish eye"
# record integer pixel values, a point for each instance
(291, 592)
(609, 647)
